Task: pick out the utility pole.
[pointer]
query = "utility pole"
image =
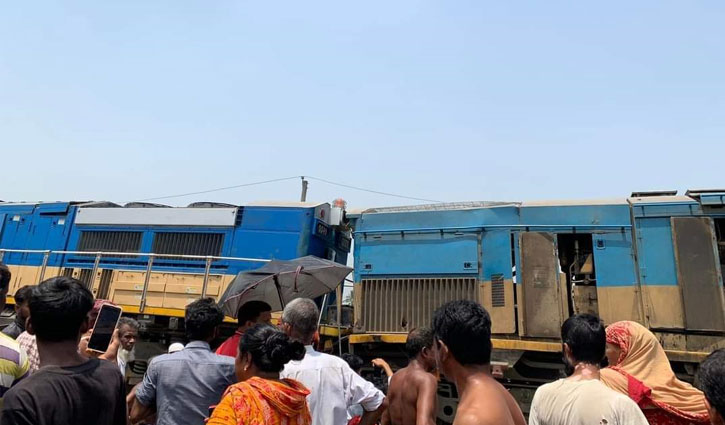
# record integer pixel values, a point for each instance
(303, 196)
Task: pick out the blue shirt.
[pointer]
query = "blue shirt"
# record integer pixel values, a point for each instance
(183, 385)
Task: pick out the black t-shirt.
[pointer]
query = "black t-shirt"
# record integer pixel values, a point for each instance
(90, 394)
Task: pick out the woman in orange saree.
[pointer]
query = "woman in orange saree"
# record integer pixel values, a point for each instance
(639, 368)
(261, 397)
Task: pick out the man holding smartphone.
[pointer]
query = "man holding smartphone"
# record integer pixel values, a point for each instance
(70, 388)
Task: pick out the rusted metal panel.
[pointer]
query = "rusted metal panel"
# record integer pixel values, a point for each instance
(698, 273)
(402, 304)
(540, 280)
(585, 299)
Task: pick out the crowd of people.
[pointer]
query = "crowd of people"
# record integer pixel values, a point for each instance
(267, 374)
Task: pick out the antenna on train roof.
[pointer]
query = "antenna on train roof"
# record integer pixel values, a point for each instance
(303, 196)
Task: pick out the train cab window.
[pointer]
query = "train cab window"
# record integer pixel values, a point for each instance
(576, 258)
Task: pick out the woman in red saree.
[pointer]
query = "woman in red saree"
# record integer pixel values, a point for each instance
(261, 397)
(639, 368)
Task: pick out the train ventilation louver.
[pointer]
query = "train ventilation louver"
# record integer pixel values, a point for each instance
(109, 241)
(183, 243)
(399, 305)
(498, 291)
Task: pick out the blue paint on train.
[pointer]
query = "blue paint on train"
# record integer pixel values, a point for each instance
(35, 227)
(656, 253)
(614, 260)
(262, 232)
(419, 253)
(497, 241)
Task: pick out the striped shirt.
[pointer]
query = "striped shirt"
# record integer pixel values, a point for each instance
(30, 346)
(13, 364)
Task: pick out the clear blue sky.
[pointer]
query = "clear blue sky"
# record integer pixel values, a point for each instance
(455, 100)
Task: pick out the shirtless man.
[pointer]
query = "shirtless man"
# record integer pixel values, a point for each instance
(462, 332)
(412, 390)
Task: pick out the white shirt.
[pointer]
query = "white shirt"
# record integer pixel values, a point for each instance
(333, 387)
(587, 402)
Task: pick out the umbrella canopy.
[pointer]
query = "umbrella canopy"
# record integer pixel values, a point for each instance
(279, 282)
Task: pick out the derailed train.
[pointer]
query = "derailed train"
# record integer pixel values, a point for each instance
(655, 258)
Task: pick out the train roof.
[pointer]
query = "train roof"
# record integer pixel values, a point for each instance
(443, 206)
(641, 198)
(200, 204)
(282, 204)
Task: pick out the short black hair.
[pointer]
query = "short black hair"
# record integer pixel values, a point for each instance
(251, 310)
(711, 380)
(586, 338)
(465, 327)
(417, 340)
(270, 348)
(202, 318)
(354, 361)
(58, 308)
(23, 294)
(5, 276)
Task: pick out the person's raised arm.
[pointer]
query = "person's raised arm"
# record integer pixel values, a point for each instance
(426, 404)
(382, 364)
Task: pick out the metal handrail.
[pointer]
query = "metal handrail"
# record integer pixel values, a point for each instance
(134, 254)
(149, 263)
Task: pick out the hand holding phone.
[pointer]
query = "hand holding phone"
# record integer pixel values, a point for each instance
(105, 327)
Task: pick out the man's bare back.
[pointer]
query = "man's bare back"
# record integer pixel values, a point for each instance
(486, 402)
(411, 397)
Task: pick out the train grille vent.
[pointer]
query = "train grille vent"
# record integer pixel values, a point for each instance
(399, 305)
(93, 240)
(187, 243)
(498, 298)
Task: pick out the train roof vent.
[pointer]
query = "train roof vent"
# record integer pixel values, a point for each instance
(210, 205)
(145, 205)
(654, 193)
(695, 193)
(98, 204)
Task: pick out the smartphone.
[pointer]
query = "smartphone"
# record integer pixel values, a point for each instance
(105, 326)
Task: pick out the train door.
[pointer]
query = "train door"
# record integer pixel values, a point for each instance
(698, 273)
(541, 307)
(576, 258)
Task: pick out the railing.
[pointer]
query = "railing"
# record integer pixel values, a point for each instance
(149, 263)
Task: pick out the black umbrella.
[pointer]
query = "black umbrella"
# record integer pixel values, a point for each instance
(279, 282)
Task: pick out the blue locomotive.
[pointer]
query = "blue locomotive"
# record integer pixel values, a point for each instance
(655, 258)
(152, 259)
